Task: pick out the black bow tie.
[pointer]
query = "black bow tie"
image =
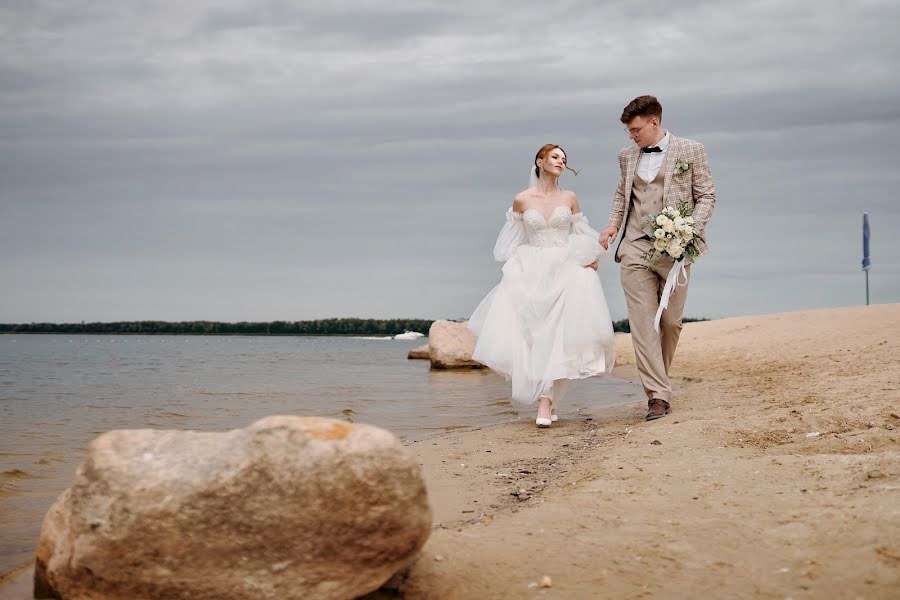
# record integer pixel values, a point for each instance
(652, 149)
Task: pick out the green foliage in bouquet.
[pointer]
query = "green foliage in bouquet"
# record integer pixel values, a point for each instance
(673, 233)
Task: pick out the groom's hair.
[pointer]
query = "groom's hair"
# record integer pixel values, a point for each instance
(642, 106)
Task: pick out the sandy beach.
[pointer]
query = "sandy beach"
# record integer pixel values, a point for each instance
(775, 476)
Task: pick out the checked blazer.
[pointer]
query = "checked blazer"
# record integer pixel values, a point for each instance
(694, 186)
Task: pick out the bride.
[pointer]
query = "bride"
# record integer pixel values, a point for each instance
(546, 323)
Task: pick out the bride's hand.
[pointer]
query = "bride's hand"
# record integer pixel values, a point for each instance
(593, 266)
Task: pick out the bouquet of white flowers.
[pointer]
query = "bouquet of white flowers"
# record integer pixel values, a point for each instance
(673, 234)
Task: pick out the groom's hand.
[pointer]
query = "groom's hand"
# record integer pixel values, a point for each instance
(593, 266)
(608, 235)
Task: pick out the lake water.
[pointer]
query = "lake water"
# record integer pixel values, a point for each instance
(57, 392)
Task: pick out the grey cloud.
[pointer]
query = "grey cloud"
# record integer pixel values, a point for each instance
(287, 144)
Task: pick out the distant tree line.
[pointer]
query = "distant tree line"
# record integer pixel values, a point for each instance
(623, 326)
(317, 327)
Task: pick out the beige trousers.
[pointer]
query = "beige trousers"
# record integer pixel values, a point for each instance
(653, 351)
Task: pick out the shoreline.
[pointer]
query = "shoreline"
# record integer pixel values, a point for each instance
(13, 570)
(776, 475)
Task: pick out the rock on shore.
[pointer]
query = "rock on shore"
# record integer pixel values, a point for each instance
(289, 507)
(451, 346)
(422, 352)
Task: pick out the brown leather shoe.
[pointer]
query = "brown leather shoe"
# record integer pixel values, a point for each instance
(657, 408)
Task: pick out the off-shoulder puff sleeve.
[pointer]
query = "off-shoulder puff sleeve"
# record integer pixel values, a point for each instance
(511, 236)
(584, 244)
(580, 226)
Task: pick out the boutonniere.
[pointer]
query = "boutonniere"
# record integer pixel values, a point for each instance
(682, 166)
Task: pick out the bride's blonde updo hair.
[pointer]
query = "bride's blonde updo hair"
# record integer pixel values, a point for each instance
(543, 152)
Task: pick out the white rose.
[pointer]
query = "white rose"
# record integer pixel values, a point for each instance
(678, 222)
(668, 227)
(688, 236)
(687, 229)
(675, 249)
(689, 220)
(662, 219)
(659, 233)
(660, 245)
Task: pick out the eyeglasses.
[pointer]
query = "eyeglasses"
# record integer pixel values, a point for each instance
(636, 130)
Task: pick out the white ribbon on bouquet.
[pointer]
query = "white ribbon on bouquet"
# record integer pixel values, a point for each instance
(677, 270)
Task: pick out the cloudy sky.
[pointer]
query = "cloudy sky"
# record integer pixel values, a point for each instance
(276, 159)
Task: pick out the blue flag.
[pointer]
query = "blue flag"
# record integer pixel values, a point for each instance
(867, 262)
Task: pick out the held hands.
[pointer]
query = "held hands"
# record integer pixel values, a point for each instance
(593, 266)
(607, 235)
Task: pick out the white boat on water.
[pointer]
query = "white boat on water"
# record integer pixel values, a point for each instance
(409, 335)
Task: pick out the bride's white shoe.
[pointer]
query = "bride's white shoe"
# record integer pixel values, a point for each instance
(544, 421)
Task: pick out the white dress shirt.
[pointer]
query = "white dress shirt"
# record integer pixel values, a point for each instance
(650, 162)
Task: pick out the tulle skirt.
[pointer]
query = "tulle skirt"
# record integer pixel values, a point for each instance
(545, 324)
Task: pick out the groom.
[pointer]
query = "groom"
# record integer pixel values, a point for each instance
(648, 182)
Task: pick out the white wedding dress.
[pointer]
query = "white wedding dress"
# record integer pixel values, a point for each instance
(547, 322)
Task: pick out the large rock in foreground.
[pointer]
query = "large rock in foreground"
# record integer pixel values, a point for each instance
(289, 507)
(451, 345)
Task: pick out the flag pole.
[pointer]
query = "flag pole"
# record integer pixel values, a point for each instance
(866, 261)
